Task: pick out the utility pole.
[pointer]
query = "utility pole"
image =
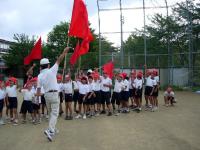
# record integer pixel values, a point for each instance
(122, 44)
(99, 36)
(190, 44)
(145, 38)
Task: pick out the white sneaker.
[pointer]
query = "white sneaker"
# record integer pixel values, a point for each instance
(48, 134)
(47, 117)
(2, 122)
(78, 116)
(84, 116)
(15, 122)
(153, 109)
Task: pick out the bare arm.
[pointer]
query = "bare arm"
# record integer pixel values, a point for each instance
(62, 56)
(30, 70)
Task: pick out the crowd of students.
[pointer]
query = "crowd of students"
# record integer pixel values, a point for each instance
(88, 95)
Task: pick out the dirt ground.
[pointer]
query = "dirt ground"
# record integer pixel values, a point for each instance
(173, 128)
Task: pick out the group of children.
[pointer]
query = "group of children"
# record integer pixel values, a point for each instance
(88, 95)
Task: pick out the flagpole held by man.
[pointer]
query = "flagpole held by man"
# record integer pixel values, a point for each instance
(47, 79)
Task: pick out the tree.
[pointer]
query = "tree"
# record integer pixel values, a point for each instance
(18, 50)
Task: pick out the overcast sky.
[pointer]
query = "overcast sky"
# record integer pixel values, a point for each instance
(37, 17)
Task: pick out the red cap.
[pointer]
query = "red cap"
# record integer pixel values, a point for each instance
(59, 77)
(84, 78)
(13, 79)
(124, 75)
(139, 75)
(96, 76)
(121, 75)
(155, 72)
(34, 79)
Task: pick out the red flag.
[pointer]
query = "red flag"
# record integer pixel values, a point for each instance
(36, 53)
(75, 55)
(79, 26)
(108, 68)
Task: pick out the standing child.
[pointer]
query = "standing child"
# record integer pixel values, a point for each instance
(106, 85)
(11, 93)
(117, 92)
(125, 93)
(90, 98)
(27, 101)
(156, 90)
(36, 102)
(67, 87)
(60, 91)
(138, 92)
(82, 98)
(132, 89)
(76, 93)
(97, 93)
(2, 101)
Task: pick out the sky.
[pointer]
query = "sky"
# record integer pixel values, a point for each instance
(38, 17)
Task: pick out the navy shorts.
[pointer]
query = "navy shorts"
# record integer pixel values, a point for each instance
(90, 101)
(155, 92)
(26, 107)
(35, 107)
(138, 93)
(125, 96)
(12, 102)
(132, 92)
(116, 98)
(105, 97)
(148, 90)
(1, 104)
(43, 101)
(97, 98)
(61, 96)
(80, 98)
(68, 97)
(75, 96)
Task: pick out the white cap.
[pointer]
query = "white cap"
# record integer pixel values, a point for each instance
(89, 71)
(44, 61)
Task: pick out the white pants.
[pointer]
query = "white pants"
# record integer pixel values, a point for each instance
(52, 102)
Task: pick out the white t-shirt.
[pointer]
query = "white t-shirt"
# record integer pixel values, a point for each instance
(60, 87)
(130, 83)
(36, 99)
(2, 94)
(75, 84)
(97, 85)
(118, 87)
(83, 88)
(91, 87)
(149, 81)
(47, 78)
(28, 95)
(154, 83)
(106, 81)
(67, 87)
(11, 91)
(126, 85)
(169, 94)
(157, 79)
(138, 84)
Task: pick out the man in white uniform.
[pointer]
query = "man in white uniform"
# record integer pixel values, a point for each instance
(47, 79)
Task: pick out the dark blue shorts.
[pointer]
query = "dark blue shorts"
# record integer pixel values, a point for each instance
(1, 104)
(26, 107)
(97, 99)
(90, 101)
(105, 97)
(61, 96)
(75, 96)
(12, 102)
(125, 96)
(43, 101)
(116, 98)
(68, 97)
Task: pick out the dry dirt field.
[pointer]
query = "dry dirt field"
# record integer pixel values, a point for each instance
(172, 128)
